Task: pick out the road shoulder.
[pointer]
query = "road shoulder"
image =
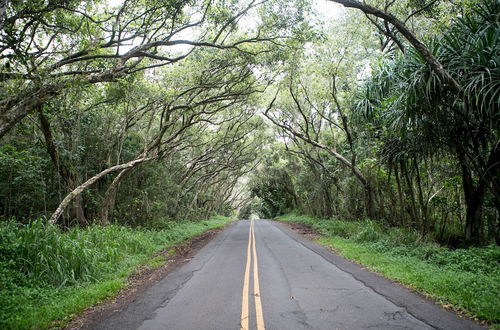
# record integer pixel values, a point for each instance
(144, 278)
(415, 303)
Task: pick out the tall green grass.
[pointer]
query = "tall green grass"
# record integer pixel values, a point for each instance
(465, 278)
(47, 274)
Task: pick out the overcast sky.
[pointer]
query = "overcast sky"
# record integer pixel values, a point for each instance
(327, 11)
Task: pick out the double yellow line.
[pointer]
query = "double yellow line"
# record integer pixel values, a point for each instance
(251, 250)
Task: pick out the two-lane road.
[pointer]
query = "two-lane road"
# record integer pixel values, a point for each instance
(260, 275)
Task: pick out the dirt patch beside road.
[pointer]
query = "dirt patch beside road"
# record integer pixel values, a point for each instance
(299, 228)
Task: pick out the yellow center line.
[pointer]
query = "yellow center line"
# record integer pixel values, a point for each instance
(256, 287)
(244, 303)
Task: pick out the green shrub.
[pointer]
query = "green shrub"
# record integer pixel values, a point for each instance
(44, 254)
(370, 232)
(46, 273)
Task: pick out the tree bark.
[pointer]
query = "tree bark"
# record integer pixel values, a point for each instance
(423, 203)
(76, 211)
(370, 206)
(474, 200)
(109, 202)
(409, 191)
(496, 227)
(473, 219)
(400, 197)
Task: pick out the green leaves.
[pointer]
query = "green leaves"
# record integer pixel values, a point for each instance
(22, 185)
(47, 274)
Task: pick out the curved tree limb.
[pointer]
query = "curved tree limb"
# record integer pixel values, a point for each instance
(78, 190)
(419, 46)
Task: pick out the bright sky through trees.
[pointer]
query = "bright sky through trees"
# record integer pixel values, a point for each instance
(145, 113)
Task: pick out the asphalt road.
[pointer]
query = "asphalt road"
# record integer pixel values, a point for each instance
(297, 284)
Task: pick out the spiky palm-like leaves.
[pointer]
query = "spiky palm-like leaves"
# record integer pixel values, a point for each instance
(419, 117)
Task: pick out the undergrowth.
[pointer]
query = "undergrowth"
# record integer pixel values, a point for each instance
(468, 279)
(47, 274)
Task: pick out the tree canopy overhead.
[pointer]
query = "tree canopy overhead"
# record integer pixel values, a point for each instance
(145, 109)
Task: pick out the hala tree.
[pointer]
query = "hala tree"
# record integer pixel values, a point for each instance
(413, 100)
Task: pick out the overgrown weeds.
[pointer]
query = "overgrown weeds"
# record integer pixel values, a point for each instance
(46, 274)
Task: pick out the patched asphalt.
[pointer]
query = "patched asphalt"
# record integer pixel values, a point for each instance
(303, 286)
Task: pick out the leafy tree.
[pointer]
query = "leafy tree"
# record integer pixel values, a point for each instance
(431, 119)
(47, 47)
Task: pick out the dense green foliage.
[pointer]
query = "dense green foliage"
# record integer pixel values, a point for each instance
(377, 135)
(417, 119)
(465, 278)
(110, 101)
(47, 274)
(366, 125)
(140, 113)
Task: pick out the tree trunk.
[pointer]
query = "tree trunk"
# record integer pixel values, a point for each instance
(330, 206)
(473, 219)
(443, 227)
(423, 203)
(77, 211)
(474, 200)
(494, 231)
(69, 178)
(400, 197)
(78, 190)
(409, 191)
(109, 202)
(370, 206)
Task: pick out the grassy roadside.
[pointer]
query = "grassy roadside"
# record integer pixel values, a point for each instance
(47, 275)
(466, 279)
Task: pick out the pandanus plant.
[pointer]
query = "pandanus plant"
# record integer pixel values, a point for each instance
(408, 100)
